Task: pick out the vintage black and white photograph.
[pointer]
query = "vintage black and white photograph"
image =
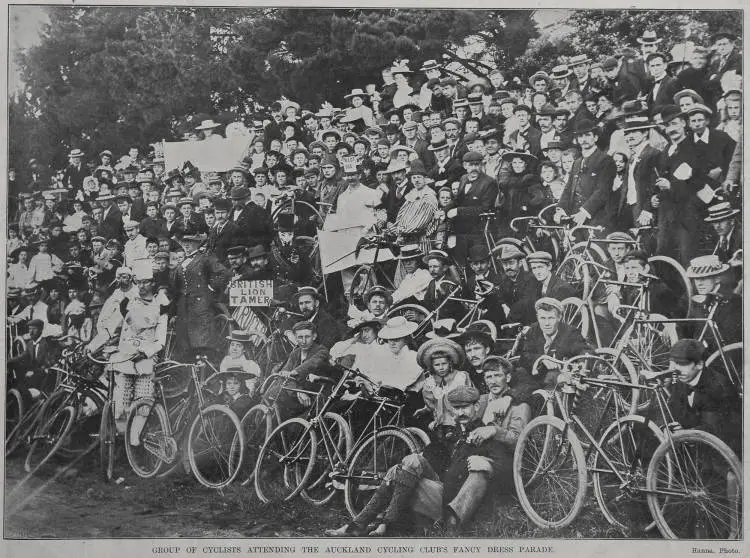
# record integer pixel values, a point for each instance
(294, 272)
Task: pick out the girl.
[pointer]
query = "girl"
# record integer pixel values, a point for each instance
(237, 358)
(440, 359)
(234, 392)
(444, 237)
(548, 174)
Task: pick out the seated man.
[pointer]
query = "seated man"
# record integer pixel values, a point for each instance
(483, 284)
(549, 336)
(517, 286)
(477, 344)
(329, 329)
(307, 361)
(657, 298)
(412, 287)
(728, 233)
(377, 300)
(461, 465)
(28, 367)
(443, 283)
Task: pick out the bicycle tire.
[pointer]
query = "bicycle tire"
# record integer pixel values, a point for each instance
(419, 435)
(561, 452)
(629, 443)
(146, 459)
(14, 409)
(319, 489)
(678, 276)
(675, 517)
(58, 428)
(218, 427)
(629, 399)
(257, 425)
(734, 354)
(577, 275)
(294, 441)
(21, 433)
(366, 472)
(576, 315)
(107, 438)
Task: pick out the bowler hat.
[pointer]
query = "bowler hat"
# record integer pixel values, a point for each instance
(478, 253)
(436, 255)
(256, 251)
(670, 112)
(417, 167)
(649, 38)
(585, 125)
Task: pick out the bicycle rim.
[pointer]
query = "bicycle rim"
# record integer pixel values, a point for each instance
(21, 433)
(147, 458)
(629, 443)
(107, 435)
(50, 438)
(334, 446)
(371, 461)
(14, 411)
(549, 470)
(216, 446)
(695, 488)
(291, 445)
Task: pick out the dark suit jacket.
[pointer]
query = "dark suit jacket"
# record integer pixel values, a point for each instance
(533, 138)
(33, 358)
(194, 225)
(590, 187)
(557, 288)
(111, 225)
(645, 174)
(625, 86)
(138, 209)
(317, 358)
(153, 227)
(73, 177)
(519, 296)
(680, 204)
(665, 95)
(254, 225)
(479, 199)
(424, 154)
(733, 62)
(218, 242)
(718, 152)
(393, 203)
(453, 171)
(330, 330)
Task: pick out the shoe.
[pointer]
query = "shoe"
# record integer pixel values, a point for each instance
(380, 531)
(452, 524)
(348, 530)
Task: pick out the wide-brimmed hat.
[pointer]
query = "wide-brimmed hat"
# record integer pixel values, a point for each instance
(200, 238)
(208, 125)
(331, 132)
(477, 331)
(171, 175)
(365, 322)
(436, 254)
(720, 211)
(256, 251)
(670, 112)
(395, 165)
(356, 93)
(560, 72)
(637, 122)
(544, 76)
(525, 155)
(649, 38)
(585, 125)
(397, 328)
(409, 252)
(439, 345)
(706, 266)
(428, 65)
(240, 336)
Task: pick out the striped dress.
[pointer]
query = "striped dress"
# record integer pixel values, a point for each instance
(416, 219)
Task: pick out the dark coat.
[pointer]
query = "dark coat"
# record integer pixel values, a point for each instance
(625, 86)
(254, 225)
(665, 95)
(199, 286)
(533, 138)
(220, 241)
(393, 203)
(479, 199)
(153, 227)
(330, 330)
(518, 295)
(452, 171)
(718, 153)
(284, 269)
(728, 318)
(195, 224)
(590, 186)
(556, 288)
(645, 173)
(111, 225)
(680, 204)
(73, 177)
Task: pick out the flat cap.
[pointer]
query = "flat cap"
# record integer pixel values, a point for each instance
(544, 257)
(472, 157)
(463, 395)
(548, 301)
(303, 325)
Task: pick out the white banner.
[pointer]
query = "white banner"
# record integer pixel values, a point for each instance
(216, 155)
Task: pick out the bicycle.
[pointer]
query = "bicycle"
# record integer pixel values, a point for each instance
(107, 425)
(369, 274)
(287, 464)
(215, 443)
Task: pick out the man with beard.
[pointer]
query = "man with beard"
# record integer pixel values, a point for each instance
(260, 269)
(586, 197)
(238, 266)
(291, 266)
(477, 193)
(443, 283)
(680, 209)
(482, 284)
(517, 285)
(477, 344)
(329, 329)
(548, 131)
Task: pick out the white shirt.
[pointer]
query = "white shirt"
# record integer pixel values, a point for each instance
(703, 137)
(632, 195)
(694, 383)
(413, 284)
(399, 371)
(135, 250)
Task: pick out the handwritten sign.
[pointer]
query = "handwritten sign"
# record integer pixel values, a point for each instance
(251, 293)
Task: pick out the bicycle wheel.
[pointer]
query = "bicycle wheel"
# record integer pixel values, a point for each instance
(50, 438)
(14, 409)
(290, 446)
(629, 443)
(156, 446)
(21, 433)
(577, 275)
(107, 435)
(549, 470)
(628, 399)
(256, 425)
(419, 436)
(576, 314)
(371, 461)
(216, 446)
(597, 406)
(728, 360)
(334, 446)
(695, 487)
(674, 277)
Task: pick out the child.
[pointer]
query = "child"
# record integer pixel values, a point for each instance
(444, 236)
(234, 391)
(552, 186)
(440, 358)
(237, 358)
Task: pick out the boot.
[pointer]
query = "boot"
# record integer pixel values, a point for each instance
(377, 503)
(404, 483)
(135, 429)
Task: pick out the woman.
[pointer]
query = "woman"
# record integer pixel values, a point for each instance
(397, 363)
(440, 359)
(521, 189)
(362, 350)
(415, 221)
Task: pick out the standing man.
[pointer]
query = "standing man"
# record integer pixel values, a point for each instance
(663, 87)
(111, 225)
(75, 171)
(714, 148)
(224, 233)
(252, 221)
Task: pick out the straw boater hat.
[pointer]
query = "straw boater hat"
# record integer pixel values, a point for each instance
(720, 211)
(706, 266)
(302, 291)
(208, 125)
(439, 345)
(240, 336)
(649, 38)
(397, 328)
(409, 252)
(560, 72)
(436, 255)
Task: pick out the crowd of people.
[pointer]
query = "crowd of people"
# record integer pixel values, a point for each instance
(123, 251)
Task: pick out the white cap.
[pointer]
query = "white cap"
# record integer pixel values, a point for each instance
(143, 270)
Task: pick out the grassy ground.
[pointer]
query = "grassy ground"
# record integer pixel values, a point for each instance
(80, 505)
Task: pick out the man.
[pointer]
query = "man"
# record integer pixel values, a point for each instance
(399, 188)
(680, 208)
(477, 194)
(728, 233)
(526, 137)
(577, 109)
(252, 221)
(663, 87)
(517, 286)
(482, 284)
(581, 64)
(443, 283)
(29, 366)
(75, 172)
(420, 146)
(378, 300)
(550, 336)
(462, 463)
(546, 283)
(447, 169)
(330, 330)
(224, 233)
(260, 269)
(307, 361)
(111, 223)
(548, 133)
(354, 206)
(477, 343)
(153, 223)
(634, 208)
(198, 278)
(714, 148)
(587, 195)
(189, 221)
(493, 159)
(728, 59)
(291, 265)
(624, 85)
(135, 247)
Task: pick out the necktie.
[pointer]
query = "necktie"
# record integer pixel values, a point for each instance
(547, 345)
(723, 243)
